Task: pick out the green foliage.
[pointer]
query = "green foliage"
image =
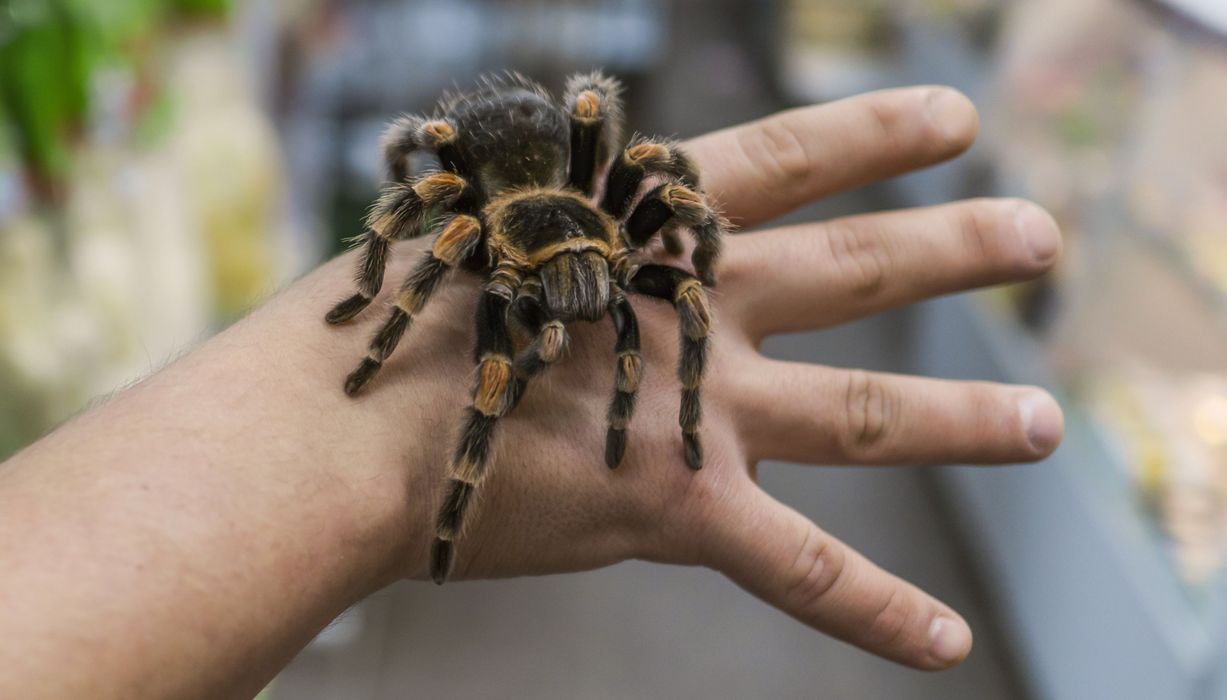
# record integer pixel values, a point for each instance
(201, 7)
(49, 50)
(46, 56)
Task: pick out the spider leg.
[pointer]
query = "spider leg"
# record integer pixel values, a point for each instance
(674, 204)
(399, 213)
(643, 158)
(546, 349)
(550, 338)
(409, 133)
(688, 297)
(459, 240)
(492, 398)
(595, 107)
(671, 240)
(626, 380)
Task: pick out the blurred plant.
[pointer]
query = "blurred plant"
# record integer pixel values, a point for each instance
(49, 53)
(46, 53)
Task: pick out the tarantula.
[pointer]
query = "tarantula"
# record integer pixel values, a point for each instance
(516, 200)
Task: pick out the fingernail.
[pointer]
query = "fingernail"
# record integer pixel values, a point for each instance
(953, 116)
(949, 640)
(1039, 230)
(1041, 420)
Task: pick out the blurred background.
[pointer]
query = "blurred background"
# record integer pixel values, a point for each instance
(165, 164)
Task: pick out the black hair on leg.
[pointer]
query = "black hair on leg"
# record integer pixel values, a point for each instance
(673, 204)
(520, 176)
(640, 159)
(458, 240)
(688, 297)
(626, 379)
(409, 133)
(547, 348)
(492, 394)
(369, 279)
(399, 213)
(595, 107)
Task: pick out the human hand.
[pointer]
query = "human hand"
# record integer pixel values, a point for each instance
(550, 505)
(188, 535)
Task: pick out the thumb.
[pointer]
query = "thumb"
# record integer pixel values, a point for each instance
(784, 559)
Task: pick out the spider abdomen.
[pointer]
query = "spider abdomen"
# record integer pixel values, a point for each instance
(516, 138)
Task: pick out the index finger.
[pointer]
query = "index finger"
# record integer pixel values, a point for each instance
(765, 168)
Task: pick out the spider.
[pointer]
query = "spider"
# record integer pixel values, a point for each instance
(517, 200)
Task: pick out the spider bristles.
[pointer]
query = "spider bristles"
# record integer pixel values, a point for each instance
(584, 282)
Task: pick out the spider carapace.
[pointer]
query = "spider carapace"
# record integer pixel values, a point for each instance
(545, 202)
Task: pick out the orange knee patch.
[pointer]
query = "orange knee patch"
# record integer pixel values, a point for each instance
(410, 301)
(438, 133)
(648, 154)
(587, 106)
(493, 391)
(387, 217)
(383, 225)
(630, 371)
(464, 469)
(457, 239)
(691, 302)
(687, 205)
(439, 187)
(553, 341)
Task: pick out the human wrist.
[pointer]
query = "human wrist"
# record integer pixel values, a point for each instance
(372, 452)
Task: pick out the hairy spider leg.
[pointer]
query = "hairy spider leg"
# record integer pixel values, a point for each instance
(594, 104)
(410, 133)
(550, 337)
(643, 158)
(492, 397)
(550, 342)
(675, 204)
(626, 378)
(399, 213)
(688, 297)
(459, 239)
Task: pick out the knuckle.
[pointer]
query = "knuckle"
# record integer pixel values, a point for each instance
(860, 259)
(892, 621)
(888, 117)
(871, 410)
(814, 572)
(984, 227)
(777, 153)
(976, 224)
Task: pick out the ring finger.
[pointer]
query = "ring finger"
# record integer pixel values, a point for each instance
(798, 412)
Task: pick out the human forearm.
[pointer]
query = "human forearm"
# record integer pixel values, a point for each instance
(202, 525)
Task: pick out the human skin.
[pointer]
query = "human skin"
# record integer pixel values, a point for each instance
(188, 536)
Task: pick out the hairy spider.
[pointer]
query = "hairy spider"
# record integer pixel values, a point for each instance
(516, 201)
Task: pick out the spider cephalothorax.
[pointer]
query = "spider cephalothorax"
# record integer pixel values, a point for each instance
(515, 200)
